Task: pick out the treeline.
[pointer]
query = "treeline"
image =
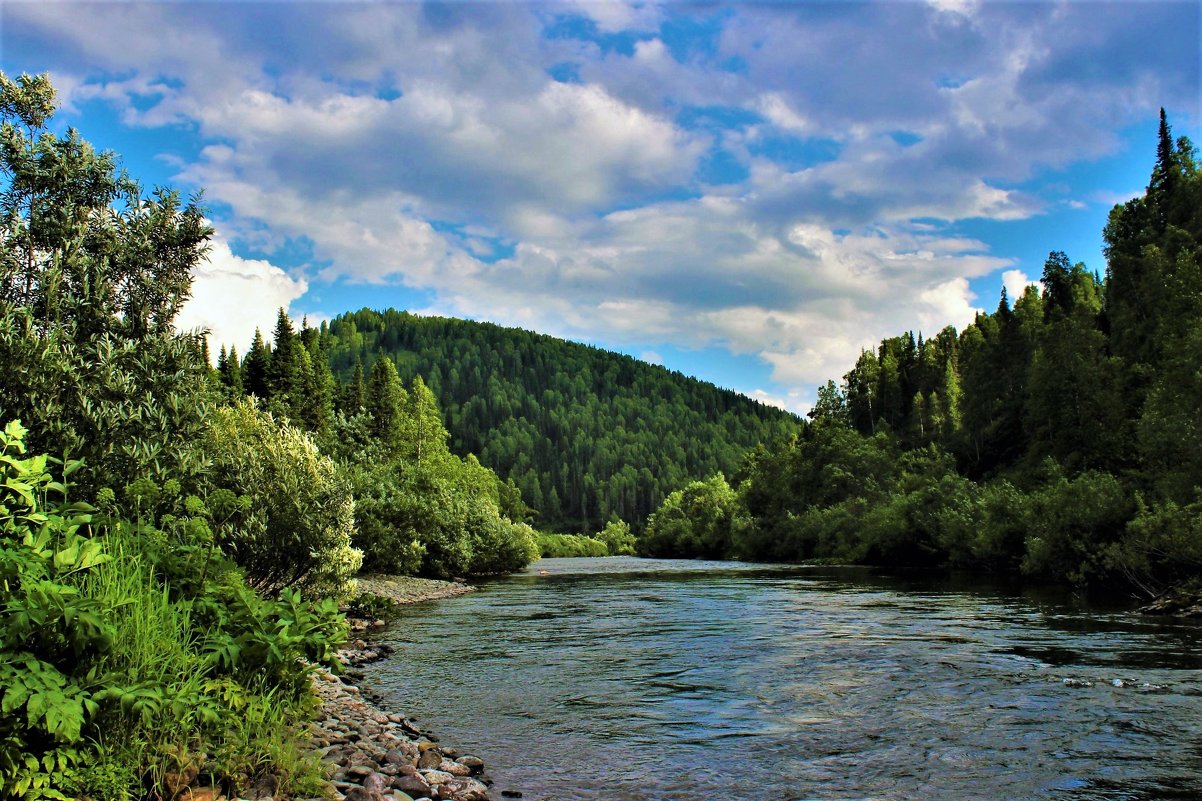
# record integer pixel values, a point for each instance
(583, 435)
(586, 435)
(420, 509)
(1060, 436)
(170, 565)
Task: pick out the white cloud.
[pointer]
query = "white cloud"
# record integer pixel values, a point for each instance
(231, 296)
(1016, 283)
(776, 109)
(416, 137)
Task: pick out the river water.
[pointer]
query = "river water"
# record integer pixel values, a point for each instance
(633, 680)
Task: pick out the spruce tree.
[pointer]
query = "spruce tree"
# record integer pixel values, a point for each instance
(254, 368)
(353, 396)
(283, 379)
(231, 373)
(385, 401)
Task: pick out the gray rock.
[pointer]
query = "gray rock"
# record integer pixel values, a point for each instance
(430, 759)
(362, 794)
(454, 768)
(473, 763)
(412, 785)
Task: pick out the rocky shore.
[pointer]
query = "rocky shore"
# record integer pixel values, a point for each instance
(375, 755)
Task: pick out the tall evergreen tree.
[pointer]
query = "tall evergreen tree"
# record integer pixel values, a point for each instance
(254, 368)
(283, 376)
(353, 396)
(385, 400)
(231, 373)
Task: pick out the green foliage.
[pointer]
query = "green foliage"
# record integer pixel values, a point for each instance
(583, 434)
(702, 520)
(437, 518)
(373, 607)
(91, 276)
(128, 643)
(297, 529)
(108, 674)
(551, 545)
(1059, 436)
(618, 538)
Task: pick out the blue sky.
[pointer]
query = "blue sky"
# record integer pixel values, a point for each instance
(746, 193)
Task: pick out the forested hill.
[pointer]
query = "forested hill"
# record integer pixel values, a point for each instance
(583, 432)
(1059, 436)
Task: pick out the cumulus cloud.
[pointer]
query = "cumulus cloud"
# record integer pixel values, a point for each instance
(429, 146)
(231, 296)
(1016, 283)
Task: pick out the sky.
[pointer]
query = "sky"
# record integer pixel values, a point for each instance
(747, 193)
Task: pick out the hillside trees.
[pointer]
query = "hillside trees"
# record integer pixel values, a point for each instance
(1058, 436)
(582, 433)
(127, 639)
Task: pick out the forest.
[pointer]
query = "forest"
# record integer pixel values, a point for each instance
(176, 538)
(174, 553)
(1059, 436)
(586, 436)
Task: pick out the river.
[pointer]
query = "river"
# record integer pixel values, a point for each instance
(634, 680)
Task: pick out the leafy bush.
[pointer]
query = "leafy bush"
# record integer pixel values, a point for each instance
(297, 532)
(555, 546)
(699, 521)
(618, 538)
(436, 517)
(1072, 523)
(109, 677)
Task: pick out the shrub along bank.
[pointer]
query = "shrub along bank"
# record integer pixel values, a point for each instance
(171, 553)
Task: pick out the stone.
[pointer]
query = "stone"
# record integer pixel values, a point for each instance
(473, 763)
(264, 788)
(436, 777)
(462, 789)
(202, 794)
(511, 793)
(429, 759)
(359, 772)
(454, 768)
(375, 783)
(176, 780)
(412, 785)
(362, 794)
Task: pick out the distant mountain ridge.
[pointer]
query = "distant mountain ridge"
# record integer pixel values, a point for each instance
(585, 433)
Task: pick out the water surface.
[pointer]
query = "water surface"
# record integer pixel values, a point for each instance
(625, 679)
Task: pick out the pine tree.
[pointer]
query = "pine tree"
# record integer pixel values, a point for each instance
(283, 379)
(231, 372)
(254, 368)
(385, 400)
(353, 395)
(318, 391)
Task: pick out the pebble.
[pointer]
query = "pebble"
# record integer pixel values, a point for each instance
(381, 756)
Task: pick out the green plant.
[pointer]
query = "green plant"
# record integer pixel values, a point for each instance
(296, 529)
(371, 606)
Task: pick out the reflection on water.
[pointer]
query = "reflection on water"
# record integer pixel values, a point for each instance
(639, 679)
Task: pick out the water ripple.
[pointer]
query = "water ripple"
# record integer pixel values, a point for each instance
(626, 679)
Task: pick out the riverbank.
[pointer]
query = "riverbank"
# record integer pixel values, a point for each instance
(375, 755)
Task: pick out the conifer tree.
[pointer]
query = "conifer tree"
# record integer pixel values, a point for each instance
(353, 397)
(254, 368)
(231, 372)
(385, 401)
(283, 379)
